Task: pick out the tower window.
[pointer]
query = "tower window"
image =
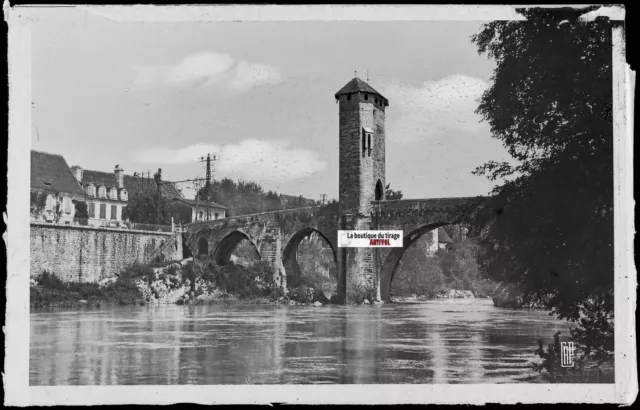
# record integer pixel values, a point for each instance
(369, 143)
(364, 142)
(366, 97)
(348, 97)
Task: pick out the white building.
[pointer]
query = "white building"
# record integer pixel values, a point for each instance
(204, 211)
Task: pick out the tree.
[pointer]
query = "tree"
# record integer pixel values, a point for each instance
(390, 194)
(552, 229)
(82, 211)
(149, 208)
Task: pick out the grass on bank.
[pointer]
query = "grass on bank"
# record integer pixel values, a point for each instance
(53, 292)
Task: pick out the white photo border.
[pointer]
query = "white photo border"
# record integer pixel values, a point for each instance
(16, 372)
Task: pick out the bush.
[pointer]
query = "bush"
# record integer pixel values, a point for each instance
(425, 278)
(137, 271)
(302, 294)
(244, 281)
(595, 336)
(276, 294)
(550, 358)
(360, 292)
(51, 281)
(53, 292)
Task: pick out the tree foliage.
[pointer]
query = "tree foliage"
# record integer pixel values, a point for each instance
(391, 194)
(244, 197)
(552, 230)
(149, 208)
(82, 211)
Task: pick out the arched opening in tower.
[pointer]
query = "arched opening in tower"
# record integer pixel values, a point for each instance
(309, 259)
(379, 191)
(414, 268)
(238, 249)
(203, 247)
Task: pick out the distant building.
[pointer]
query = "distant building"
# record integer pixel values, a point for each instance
(61, 190)
(290, 201)
(443, 239)
(54, 190)
(436, 240)
(201, 210)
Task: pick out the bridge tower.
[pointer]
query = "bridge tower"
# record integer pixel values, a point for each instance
(361, 176)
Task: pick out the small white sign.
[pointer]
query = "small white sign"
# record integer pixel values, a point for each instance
(370, 239)
(566, 354)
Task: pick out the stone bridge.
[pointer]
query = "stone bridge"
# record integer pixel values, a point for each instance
(276, 235)
(361, 206)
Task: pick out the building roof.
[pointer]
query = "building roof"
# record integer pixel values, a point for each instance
(357, 85)
(443, 237)
(134, 185)
(289, 198)
(50, 172)
(192, 202)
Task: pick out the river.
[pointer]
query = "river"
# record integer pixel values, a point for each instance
(440, 341)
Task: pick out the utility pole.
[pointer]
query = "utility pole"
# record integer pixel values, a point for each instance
(197, 185)
(208, 181)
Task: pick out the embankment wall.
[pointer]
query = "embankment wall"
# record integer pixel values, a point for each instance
(89, 254)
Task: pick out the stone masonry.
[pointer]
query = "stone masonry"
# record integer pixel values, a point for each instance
(89, 254)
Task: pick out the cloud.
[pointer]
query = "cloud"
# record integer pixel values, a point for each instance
(435, 108)
(253, 160)
(208, 69)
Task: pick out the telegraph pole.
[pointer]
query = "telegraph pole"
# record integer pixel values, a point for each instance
(208, 181)
(197, 182)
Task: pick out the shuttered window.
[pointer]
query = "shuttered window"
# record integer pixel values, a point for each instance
(114, 211)
(92, 210)
(103, 211)
(51, 203)
(68, 205)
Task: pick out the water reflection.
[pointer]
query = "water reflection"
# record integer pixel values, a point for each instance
(450, 341)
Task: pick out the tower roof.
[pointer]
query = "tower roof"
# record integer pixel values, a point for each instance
(357, 85)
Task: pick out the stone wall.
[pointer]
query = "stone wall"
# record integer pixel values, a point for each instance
(89, 254)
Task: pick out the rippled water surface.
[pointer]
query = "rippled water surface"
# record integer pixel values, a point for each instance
(450, 341)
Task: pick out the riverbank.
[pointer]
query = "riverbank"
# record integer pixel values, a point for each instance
(171, 284)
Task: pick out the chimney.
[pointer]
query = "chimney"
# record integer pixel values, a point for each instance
(77, 172)
(119, 176)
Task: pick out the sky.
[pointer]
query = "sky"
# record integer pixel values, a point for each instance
(260, 96)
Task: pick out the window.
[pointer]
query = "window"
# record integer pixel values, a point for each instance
(113, 194)
(364, 142)
(366, 97)
(51, 203)
(114, 212)
(103, 211)
(92, 210)
(67, 205)
(91, 190)
(102, 192)
(348, 97)
(379, 191)
(216, 215)
(123, 195)
(200, 215)
(369, 143)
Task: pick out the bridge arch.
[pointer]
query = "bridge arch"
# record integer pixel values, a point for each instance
(289, 255)
(226, 246)
(392, 260)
